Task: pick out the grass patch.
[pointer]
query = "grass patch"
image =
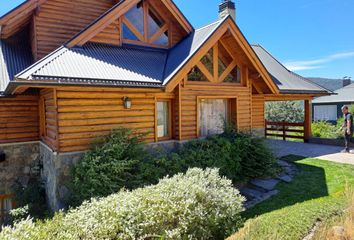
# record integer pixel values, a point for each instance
(317, 193)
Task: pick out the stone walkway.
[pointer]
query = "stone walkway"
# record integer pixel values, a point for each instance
(259, 190)
(324, 152)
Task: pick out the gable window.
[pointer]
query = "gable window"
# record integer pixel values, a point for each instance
(163, 119)
(218, 65)
(143, 25)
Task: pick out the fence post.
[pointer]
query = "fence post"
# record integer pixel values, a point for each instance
(284, 133)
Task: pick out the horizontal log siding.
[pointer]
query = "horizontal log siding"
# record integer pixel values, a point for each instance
(85, 115)
(110, 35)
(19, 119)
(258, 111)
(189, 105)
(50, 135)
(59, 20)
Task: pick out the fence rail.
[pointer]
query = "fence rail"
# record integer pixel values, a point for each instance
(285, 130)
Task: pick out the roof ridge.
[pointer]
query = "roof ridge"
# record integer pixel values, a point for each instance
(210, 24)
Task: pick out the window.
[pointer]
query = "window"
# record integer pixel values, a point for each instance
(6, 205)
(196, 75)
(225, 60)
(325, 113)
(163, 119)
(212, 115)
(143, 19)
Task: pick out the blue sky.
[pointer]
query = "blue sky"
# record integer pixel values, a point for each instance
(312, 37)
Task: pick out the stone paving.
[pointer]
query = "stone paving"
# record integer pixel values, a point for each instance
(259, 190)
(324, 152)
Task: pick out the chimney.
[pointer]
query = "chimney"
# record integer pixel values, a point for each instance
(347, 81)
(227, 7)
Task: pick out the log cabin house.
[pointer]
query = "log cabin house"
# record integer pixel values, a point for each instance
(73, 70)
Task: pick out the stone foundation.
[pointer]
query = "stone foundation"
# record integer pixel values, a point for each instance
(56, 175)
(20, 159)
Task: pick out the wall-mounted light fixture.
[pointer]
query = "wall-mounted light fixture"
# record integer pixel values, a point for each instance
(127, 102)
(2, 157)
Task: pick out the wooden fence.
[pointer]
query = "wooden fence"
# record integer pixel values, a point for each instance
(285, 130)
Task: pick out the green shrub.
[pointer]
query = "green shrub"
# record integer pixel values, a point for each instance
(288, 111)
(110, 165)
(196, 205)
(121, 162)
(325, 129)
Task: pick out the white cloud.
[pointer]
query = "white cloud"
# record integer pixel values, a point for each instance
(317, 63)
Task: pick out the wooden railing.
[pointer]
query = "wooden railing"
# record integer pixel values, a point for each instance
(4, 209)
(285, 130)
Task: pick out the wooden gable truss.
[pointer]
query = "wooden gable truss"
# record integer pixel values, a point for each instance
(165, 12)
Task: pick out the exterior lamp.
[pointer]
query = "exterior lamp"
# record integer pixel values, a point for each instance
(127, 102)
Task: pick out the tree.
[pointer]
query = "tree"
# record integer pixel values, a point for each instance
(288, 111)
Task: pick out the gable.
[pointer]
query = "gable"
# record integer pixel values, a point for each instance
(188, 54)
(139, 22)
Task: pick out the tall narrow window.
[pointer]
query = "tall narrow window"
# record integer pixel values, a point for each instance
(163, 119)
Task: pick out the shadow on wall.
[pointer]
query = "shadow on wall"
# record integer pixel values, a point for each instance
(310, 183)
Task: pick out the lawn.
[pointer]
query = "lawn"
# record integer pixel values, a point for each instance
(317, 193)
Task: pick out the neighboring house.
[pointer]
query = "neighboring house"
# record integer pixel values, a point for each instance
(328, 108)
(331, 84)
(75, 70)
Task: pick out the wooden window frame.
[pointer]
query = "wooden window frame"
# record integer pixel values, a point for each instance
(2, 205)
(229, 110)
(170, 129)
(144, 39)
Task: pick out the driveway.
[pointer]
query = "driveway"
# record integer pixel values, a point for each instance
(324, 152)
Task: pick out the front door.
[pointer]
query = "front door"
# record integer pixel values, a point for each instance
(212, 116)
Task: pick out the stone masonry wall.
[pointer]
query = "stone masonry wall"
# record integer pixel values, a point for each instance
(21, 158)
(56, 175)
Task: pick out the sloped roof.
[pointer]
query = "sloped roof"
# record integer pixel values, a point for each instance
(111, 65)
(286, 80)
(14, 57)
(343, 95)
(101, 64)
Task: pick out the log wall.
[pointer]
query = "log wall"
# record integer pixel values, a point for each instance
(59, 20)
(48, 118)
(19, 119)
(84, 115)
(258, 111)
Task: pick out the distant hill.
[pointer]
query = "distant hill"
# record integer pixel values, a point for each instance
(330, 84)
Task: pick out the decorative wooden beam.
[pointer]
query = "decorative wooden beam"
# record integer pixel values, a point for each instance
(308, 120)
(216, 61)
(156, 35)
(178, 15)
(227, 71)
(133, 29)
(205, 71)
(113, 14)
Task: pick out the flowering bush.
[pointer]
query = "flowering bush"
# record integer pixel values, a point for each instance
(196, 205)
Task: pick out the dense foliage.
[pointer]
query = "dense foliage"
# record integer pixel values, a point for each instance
(121, 161)
(111, 165)
(325, 129)
(288, 111)
(197, 205)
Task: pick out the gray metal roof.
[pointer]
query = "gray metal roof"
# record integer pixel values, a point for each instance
(101, 64)
(184, 51)
(342, 95)
(111, 65)
(287, 81)
(14, 57)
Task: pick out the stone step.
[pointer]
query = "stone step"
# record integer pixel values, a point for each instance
(267, 184)
(261, 198)
(251, 193)
(285, 178)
